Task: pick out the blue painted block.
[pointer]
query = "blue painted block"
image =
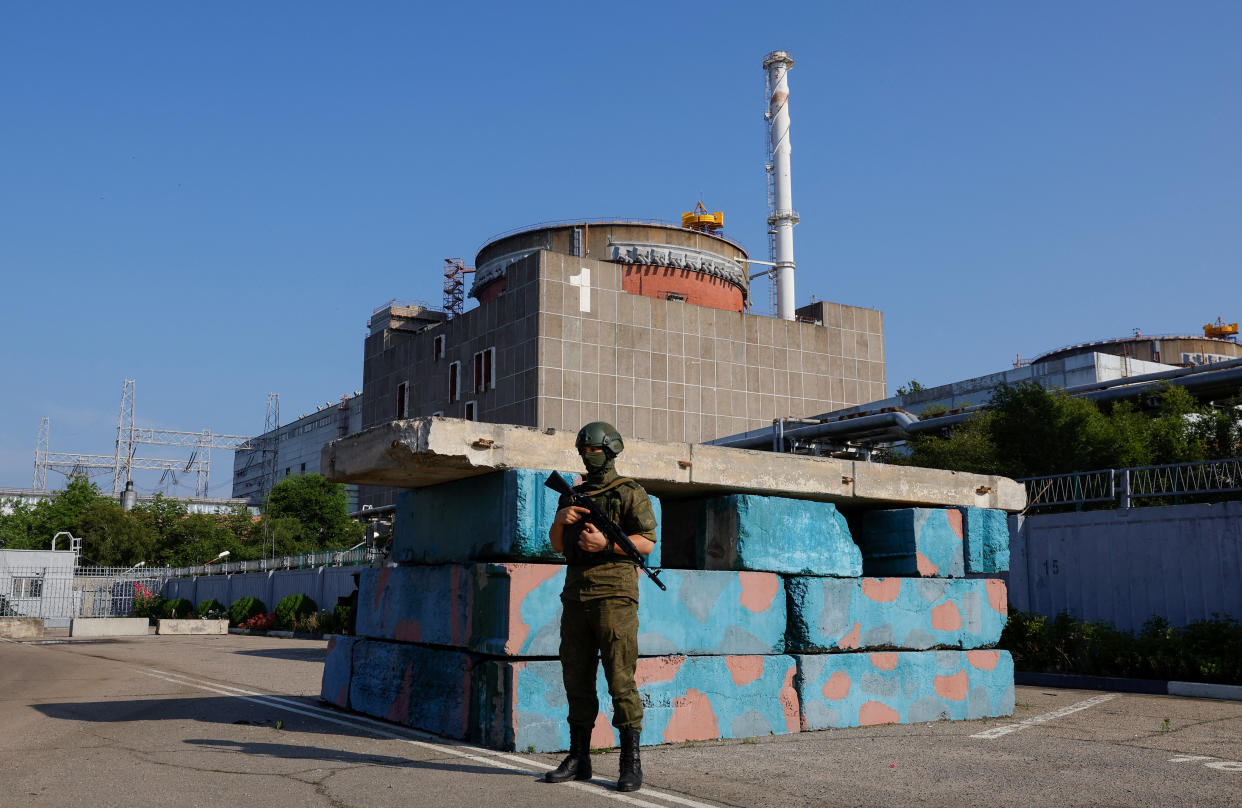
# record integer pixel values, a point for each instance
(421, 687)
(843, 614)
(902, 687)
(337, 671)
(685, 698)
(504, 516)
(775, 534)
(987, 540)
(924, 542)
(429, 604)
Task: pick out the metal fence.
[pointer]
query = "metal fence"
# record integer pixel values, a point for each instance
(324, 558)
(65, 593)
(1122, 487)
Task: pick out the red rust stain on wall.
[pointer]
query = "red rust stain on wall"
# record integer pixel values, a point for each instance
(381, 581)
(881, 590)
(745, 669)
(758, 589)
(837, 687)
(399, 711)
(873, 712)
(946, 617)
(692, 719)
(657, 669)
(953, 688)
(983, 660)
(408, 630)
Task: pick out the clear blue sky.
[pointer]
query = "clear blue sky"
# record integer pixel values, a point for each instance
(211, 198)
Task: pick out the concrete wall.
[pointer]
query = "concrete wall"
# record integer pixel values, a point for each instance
(324, 585)
(1181, 562)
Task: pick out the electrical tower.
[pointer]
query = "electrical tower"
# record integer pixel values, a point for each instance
(269, 444)
(40, 469)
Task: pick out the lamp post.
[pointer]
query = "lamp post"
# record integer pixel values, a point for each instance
(223, 554)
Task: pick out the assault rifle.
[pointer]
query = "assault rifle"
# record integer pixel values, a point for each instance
(609, 528)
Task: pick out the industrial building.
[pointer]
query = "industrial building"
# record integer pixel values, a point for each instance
(294, 448)
(1218, 343)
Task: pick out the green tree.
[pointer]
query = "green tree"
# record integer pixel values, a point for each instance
(319, 506)
(112, 538)
(32, 528)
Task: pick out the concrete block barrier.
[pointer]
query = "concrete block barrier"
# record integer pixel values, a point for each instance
(514, 610)
(775, 534)
(503, 516)
(338, 671)
(421, 687)
(194, 626)
(924, 542)
(685, 698)
(843, 614)
(902, 687)
(986, 535)
(21, 628)
(109, 627)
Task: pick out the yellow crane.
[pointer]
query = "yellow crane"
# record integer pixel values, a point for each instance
(701, 219)
(1220, 329)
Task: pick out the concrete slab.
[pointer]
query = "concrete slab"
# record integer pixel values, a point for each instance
(338, 671)
(165, 627)
(21, 628)
(986, 533)
(903, 687)
(421, 687)
(501, 516)
(925, 542)
(775, 534)
(109, 627)
(425, 451)
(515, 610)
(839, 614)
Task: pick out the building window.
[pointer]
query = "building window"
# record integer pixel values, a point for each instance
(437, 348)
(27, 587)
(403, 400)
(485, 370)
(454, 381)
(472, 411)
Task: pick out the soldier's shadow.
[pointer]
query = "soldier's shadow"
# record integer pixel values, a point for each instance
(323, 754)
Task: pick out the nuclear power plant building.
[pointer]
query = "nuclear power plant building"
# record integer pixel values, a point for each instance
(644, 325)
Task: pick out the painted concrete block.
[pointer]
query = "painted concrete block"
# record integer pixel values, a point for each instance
(902, 687)
(429, 604)
(421, 687)
(504, 516)
(685, 698)
(775, 534)
(192, 626)
(924, 542)
(986, 534)
(338, 670)
(109, 627)
(515, 609)
(843, 614)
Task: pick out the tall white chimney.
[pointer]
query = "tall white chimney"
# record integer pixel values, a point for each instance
(782, 217)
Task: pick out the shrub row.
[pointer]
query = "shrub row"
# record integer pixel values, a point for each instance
(1207, 651)
(294, 612)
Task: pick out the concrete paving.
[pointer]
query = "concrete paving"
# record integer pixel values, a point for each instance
(234, 720)
(425, 451)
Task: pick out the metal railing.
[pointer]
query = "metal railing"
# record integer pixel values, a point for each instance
(66, 593)
(1124, 486)
(354, 556)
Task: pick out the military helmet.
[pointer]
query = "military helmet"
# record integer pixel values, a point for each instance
(601, 434)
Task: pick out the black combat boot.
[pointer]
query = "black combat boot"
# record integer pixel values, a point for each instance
(631, 778)
(577, 764)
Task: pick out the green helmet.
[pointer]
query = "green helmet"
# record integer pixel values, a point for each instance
(601, 434)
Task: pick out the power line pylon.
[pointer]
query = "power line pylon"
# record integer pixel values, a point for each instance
(41, 452)
(122, 466)
(270, 443)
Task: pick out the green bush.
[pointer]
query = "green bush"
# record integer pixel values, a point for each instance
(178, 608)
(1202, 651)
(245, 608)
(291, 607)
(343, 617)
(210, 607)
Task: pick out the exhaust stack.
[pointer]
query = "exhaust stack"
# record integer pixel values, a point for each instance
(781, 215)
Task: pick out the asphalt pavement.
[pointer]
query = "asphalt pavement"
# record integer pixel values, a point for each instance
(190, 721)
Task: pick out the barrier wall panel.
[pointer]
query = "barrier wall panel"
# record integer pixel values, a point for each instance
(414, 685)
(919, 542)
(429, 604)
(504, 516)
(337, 671)
(902, 687)
(843, 614)
(775, 534)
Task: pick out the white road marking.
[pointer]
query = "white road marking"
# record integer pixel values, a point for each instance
(487, 757)
(1190, 758)
(997, 732)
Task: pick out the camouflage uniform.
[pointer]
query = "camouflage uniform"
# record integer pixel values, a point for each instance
(600, 607)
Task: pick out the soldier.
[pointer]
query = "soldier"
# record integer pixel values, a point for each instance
(600, 606)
